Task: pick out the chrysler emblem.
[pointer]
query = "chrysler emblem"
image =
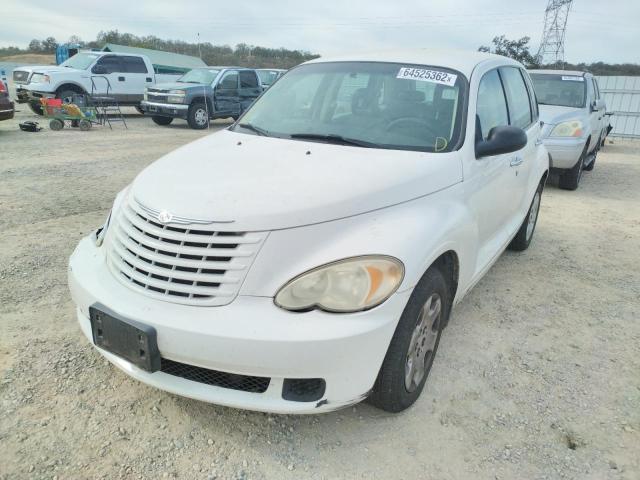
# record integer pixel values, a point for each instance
(164, 217)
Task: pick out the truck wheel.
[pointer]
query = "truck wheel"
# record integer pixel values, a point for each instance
(36, 108)
(523, 238)
(414, 344)
(197, 118)
(66, 95)
(158, 120)
(56, 124)
(571, 179)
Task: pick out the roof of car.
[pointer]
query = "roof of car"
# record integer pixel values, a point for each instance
(462, 60)
(575, 73)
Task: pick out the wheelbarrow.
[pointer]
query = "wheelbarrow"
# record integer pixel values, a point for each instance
(61, 114)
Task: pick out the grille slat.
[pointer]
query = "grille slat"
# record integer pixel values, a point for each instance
(158, 270)
(184, 250)
(187, 235)
(198, 266)
(136, 273)
(181, 262)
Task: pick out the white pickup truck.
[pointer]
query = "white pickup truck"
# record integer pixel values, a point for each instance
(123, 77)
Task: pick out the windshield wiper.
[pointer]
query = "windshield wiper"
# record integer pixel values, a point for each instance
(253, 128)
(333, 138)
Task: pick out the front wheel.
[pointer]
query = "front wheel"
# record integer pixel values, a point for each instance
(158, 120)
(198, 116)
(414, 344)
(523, 238)
(571, 178)
(56, 124)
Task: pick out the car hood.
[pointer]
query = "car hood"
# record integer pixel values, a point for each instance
(554, 114)
(178, 85)
(248, 182)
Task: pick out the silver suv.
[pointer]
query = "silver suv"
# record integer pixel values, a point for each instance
(575, 124)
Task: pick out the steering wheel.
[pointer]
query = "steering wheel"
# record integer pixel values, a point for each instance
(408, 120)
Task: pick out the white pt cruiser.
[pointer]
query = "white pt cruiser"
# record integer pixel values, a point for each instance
(308, 257)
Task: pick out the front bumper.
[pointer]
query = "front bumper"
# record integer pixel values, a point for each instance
(25, 95)
(165, 109)
(250, 336)
(565, 152)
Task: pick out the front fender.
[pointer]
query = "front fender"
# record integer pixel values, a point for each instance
(416, 232)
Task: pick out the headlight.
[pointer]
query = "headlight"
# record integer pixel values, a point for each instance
(574, 128)
(40, 78)
(176, 96)
(348, 285)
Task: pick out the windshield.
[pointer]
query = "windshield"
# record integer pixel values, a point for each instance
(267, 77)
(199, 75)
(561, 90)
(81, 61)
(381, 105)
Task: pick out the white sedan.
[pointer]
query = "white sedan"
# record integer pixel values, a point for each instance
(308, 257)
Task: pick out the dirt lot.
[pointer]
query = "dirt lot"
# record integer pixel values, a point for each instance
(538, 375)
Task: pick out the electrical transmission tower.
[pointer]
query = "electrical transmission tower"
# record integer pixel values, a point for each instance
(555, 26)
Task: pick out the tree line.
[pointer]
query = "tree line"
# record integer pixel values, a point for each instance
(241, 55)
(519, 50)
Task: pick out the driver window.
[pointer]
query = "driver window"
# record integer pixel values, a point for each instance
(229, 81)
(110, 63)
(491, 110)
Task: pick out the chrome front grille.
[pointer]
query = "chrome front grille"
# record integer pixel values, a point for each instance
(156, 95)
(181, 262)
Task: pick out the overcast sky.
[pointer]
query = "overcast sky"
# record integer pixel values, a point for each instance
(328, 27)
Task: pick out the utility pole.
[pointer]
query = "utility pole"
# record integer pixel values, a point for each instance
(555, 26)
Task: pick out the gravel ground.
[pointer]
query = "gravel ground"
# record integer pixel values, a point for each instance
(538, 375)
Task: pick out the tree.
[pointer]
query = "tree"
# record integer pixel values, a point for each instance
(35, 46)
(49, 45)
(516, 49)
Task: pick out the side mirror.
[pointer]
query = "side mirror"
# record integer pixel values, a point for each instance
(504, 139)
(99, 70)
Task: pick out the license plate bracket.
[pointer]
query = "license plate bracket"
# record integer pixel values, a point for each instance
(133, 341)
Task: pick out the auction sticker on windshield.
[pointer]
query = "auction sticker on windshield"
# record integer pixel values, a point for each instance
(425, 75)
(573, 79)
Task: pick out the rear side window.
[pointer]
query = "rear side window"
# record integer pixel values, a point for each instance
(517, 97)
(229, 81)
(596, 90)
(492, 105)
(134, 65)
(111, 63)
(248, 80)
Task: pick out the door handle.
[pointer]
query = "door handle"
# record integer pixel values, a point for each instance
(539, 142)
(121, 79)
(515, 161)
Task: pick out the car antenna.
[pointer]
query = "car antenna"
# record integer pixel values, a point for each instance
(204, 88)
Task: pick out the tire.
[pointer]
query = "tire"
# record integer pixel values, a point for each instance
(85, 125)
(158, 120)
(197, 117)
(589, 168)
(56, 124)
(66, 95)
(571, 178)
(522, 240)
(415, 340)
(36, 108)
